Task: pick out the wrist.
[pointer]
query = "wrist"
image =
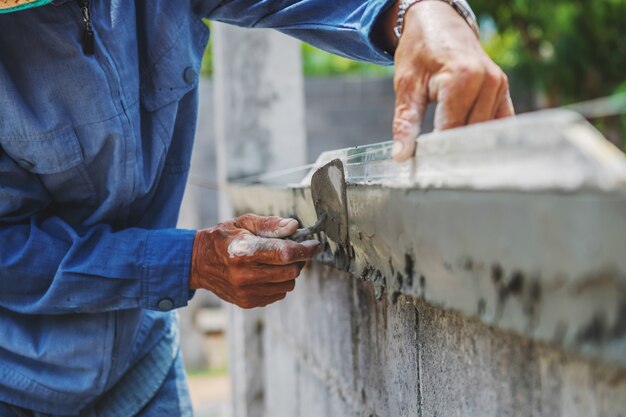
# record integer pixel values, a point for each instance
(387, 23)
(394, 18)
(199, 247)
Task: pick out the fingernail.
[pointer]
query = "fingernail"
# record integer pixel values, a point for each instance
(286, 222)
(310, 243)
(397, 149)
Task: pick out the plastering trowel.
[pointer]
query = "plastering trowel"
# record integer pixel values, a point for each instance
(328, 190)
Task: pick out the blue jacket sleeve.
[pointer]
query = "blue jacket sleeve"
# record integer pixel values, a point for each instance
(48, 266)
(341, 27)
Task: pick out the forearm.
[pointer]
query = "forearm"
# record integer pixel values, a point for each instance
(344, 28)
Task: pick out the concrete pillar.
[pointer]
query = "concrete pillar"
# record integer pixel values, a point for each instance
(259, 122)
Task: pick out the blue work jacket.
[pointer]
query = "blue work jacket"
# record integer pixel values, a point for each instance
(94, 157)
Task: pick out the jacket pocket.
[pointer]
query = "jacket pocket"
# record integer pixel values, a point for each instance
(48, 153)
(57, 159)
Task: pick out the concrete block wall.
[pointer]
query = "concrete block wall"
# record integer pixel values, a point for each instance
(331, 349)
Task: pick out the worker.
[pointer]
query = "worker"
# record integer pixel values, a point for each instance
(99, 102)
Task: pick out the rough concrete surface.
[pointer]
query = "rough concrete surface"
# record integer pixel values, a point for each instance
(546, 261)
(457, 301)
(331, 349)
(339, 346)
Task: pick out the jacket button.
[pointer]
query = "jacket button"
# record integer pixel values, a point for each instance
(166, 304)
(190, 75)
(27, 165)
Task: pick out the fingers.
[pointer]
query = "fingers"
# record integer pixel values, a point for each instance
(263, 296)
(257, 289)
(411, 101)
(249, 248)
(476, 93)
(282, 252)
(245, 269)
(270, 290)
(270, 300)
(506, 108)
(456, 93)
(266, 274)
(493, 89)
(267, 226)
(261, 301)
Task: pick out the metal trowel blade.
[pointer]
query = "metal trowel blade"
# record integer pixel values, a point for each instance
(328, 190)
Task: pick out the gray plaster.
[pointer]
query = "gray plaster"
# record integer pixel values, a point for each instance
(328, 191)
(548, 264)
(332, 349)
(547, 150)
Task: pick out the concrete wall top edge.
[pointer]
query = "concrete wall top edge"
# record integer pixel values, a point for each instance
(548, 265)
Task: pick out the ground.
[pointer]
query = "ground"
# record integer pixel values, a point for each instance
(210, 393)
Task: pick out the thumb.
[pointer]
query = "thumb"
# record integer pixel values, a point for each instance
(267, 226)
(407, 120)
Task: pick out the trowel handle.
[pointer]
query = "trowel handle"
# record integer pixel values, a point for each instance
(308, 231)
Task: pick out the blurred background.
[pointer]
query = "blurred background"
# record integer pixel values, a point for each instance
(556, 53)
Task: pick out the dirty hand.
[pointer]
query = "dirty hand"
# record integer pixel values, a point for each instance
(438, 58)
(245, 262)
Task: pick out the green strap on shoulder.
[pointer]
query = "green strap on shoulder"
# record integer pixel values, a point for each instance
(25, 5)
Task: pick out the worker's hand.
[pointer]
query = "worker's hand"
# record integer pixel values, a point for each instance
(245, 262)
(440, 59)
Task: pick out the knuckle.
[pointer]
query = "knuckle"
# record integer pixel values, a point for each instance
(247, 216)
(284, 253)
(220, 232)
(404, 82)
(493, 77)
(295, 271)
(403, 128)
(405, 115)
(238, 281)
(470, 70)
(271, 226)
(269, 223)
(243, 220)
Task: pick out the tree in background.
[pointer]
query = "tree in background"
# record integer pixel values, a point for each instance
(572, 50)
(566, 50)
(556, 52)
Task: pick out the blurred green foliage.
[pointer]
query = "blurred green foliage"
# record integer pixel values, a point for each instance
(565, 51)
(206, 69)
(317, 63)
(572, 50)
